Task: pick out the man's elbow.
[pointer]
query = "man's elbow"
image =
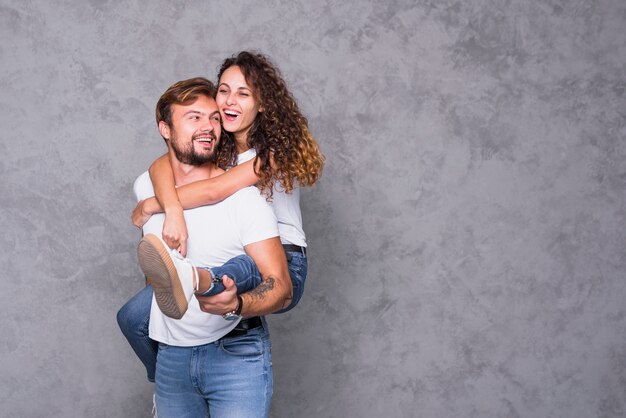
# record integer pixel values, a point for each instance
(281, 288)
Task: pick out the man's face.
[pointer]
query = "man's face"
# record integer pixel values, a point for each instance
(195, 131)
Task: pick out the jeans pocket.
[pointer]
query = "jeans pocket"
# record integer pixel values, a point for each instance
(243, 346)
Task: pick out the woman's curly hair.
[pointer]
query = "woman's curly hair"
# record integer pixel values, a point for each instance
(280, 132)
(226, 152)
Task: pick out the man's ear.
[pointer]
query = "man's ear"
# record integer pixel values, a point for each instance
(164, 129)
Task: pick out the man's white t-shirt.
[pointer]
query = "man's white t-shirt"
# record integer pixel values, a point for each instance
(217, 233)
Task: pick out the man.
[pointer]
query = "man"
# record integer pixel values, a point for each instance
(206, 363)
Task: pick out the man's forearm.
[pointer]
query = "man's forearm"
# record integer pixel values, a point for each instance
(275, 290)
(270, 296)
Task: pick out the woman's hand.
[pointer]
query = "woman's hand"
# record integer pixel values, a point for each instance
(175, 230)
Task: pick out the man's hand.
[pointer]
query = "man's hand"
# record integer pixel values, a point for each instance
(175, 231)
(139, 216)
(223, 302)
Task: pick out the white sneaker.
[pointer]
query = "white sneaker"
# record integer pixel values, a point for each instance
(170, 274)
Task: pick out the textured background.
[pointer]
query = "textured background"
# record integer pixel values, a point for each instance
(467, 240)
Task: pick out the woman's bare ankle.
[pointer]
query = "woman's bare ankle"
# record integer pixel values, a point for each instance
(205, 280)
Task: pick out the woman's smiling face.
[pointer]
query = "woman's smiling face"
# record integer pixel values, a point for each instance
(237, 103)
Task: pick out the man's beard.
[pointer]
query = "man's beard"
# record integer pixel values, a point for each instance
(186, 154)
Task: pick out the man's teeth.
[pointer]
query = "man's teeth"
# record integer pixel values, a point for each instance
(209, 140)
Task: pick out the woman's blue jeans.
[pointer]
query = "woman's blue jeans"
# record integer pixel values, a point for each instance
(134, 317)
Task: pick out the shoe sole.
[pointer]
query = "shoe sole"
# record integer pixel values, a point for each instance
(157, 265)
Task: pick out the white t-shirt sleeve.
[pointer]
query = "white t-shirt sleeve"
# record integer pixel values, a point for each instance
(255, 217)
(143, 187)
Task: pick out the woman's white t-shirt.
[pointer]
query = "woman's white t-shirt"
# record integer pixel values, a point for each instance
(286, 208)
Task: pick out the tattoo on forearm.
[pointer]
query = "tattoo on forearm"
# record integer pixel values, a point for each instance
(261, 290)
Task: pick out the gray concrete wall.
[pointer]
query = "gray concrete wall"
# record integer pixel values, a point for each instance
(467, 240)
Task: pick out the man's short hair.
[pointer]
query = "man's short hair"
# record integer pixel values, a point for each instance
(182, 93)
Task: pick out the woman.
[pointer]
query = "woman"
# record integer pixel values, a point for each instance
(275, 151)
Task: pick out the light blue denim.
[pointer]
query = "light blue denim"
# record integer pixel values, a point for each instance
(134, 317)
(229, 378)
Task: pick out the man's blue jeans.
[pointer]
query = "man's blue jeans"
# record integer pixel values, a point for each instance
(134, 317)
(229, 378)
